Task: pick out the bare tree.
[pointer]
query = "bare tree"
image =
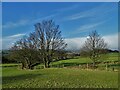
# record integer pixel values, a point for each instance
(41, 44)
(25, 52)
(49, 40)
(94, 47)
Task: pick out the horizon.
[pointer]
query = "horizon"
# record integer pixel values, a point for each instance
(76, 21)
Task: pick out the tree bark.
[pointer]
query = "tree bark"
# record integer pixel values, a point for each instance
(45, 63)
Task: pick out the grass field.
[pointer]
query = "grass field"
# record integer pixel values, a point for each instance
(58, 78)
(13, 77)
(84, 60)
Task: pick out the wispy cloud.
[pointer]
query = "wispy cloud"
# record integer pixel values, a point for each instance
(67, 8)
(98, 11)
(9, 40)
(16, 36)
(58, 13)
(76, 16)
(28, 21)
(80, 15)
(76, 43)
(89, 26)
(44, 18)
(15, 24)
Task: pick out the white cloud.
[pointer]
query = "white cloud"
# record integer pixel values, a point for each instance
(73, 43)
(112, 41)
(15, 24)
(16, 36)
(0, 43)
(7, 41)
(76, 43)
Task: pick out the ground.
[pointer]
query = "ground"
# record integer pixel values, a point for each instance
(61, 77)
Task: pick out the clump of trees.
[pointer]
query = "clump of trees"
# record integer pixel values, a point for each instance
(41, 46)
(46, 44)
(94, 47)
(4, 56)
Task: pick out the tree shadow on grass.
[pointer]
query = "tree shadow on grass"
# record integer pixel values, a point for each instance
(13, 79)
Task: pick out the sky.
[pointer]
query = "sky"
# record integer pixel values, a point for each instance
(76, 20)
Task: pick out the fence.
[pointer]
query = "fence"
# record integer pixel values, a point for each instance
(109, 66)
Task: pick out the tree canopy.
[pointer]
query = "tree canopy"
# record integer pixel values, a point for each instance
(94, 47)
(41, 45)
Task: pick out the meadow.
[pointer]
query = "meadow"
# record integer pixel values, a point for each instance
(61, 77)
(58, 78)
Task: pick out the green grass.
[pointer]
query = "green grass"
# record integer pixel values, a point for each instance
(9, 65)
(82, 60)
(72, 62)
(58, 78)
(113, 56)
(13, 77)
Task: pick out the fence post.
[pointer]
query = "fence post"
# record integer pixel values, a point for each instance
(63, 65)
(113, 68)
(34, 67)
(87, 65)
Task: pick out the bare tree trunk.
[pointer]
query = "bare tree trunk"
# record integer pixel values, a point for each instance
(28, 64)
(22, 67)
(45, 63)
(48, 64)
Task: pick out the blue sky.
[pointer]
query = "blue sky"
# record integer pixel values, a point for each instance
(76, 20)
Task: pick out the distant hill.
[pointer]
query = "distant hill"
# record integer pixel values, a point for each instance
(111, 51)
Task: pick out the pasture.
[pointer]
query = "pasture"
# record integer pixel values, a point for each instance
(65, 77)
(58, 78)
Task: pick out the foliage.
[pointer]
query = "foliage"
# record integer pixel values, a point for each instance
(28, 57)
(6, 58)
